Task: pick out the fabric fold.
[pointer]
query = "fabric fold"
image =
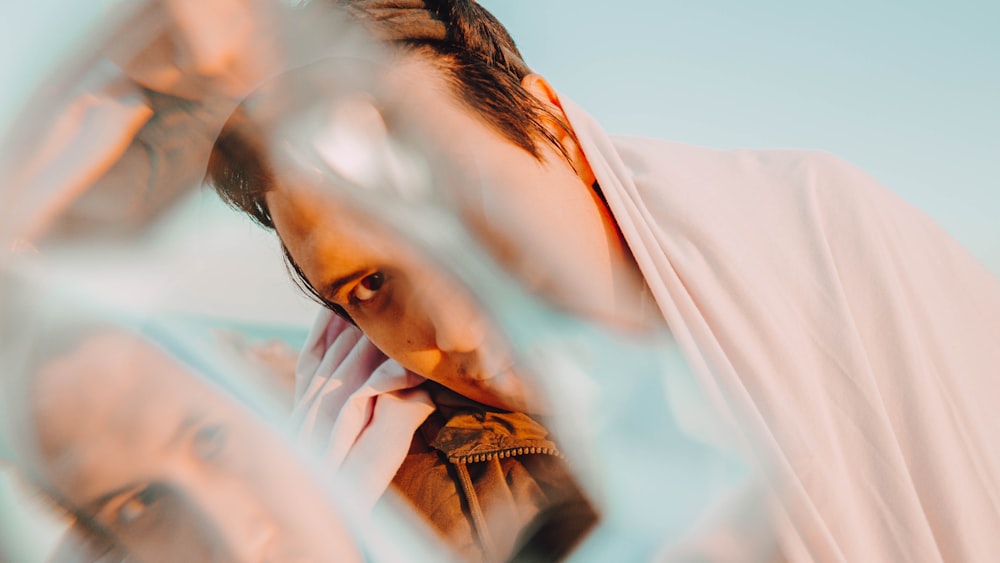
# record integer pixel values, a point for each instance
(356, 408)
(853, 339)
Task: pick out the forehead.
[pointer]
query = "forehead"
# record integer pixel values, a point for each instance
(321, 229)
(433, 103)
(109, 406)
(323, 232)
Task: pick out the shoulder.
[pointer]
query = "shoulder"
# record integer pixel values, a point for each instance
(655, 159)
(781, 188)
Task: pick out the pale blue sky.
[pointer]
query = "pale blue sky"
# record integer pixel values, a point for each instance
(910, 91)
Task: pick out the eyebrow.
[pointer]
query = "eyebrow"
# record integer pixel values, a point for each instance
(331, 289)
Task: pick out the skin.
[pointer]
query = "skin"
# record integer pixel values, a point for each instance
(540, 219)
(170, 467)
(193, 49)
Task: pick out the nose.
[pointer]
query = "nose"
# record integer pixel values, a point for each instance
(459, 324)
(458, 337)
(237, 527)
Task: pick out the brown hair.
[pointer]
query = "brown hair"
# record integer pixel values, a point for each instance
(470, 46)
(486, 68)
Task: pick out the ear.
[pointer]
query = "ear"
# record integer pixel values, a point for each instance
(560, 128)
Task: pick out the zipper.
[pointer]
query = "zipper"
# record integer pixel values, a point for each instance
(472, 499)
(505, 453)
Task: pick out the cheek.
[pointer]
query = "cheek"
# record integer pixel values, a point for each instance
(176, 532)
(185, 543)
(528, 223)
(405, 342)
(403, 332)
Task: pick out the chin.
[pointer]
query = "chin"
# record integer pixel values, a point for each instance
(507, 391)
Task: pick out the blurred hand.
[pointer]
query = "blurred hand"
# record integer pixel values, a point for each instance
(113, 150)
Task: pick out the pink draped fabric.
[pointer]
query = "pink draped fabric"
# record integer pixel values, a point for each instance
(855, 341)
(357, 408)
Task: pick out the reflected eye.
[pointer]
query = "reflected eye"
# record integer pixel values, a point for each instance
(209, 441)
(368, 287)
(138, 504)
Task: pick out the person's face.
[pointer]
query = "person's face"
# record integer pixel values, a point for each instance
(405, 305)
(539, 219)
(172, 469)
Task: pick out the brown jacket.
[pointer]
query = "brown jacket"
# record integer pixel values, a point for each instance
(492, 483)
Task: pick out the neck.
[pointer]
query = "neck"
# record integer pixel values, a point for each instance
(631, 304)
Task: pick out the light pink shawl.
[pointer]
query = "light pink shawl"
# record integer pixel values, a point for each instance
(856, 341)
(356, 408)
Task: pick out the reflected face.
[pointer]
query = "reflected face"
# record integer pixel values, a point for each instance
(538, 218)
(171, 468)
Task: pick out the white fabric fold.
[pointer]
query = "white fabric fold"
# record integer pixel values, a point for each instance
(356, 408)
(853, 339)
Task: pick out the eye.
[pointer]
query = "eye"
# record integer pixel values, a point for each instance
(139, 504)
(368, 287)
(209, 441)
